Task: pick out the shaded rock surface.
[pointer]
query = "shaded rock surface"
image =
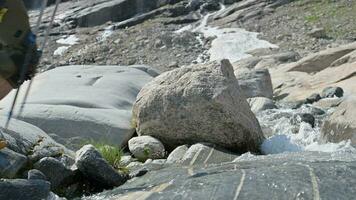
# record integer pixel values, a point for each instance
(11, 163)
(13, 189)
(36, 174)
(92, 164)
(31, 141)
(58, 175)
(307, 174)
(199, 103)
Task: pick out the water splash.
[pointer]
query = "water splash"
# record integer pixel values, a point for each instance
(286, 133)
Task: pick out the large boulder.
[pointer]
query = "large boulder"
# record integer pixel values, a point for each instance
(89, 102)
(14, 189)
(198, 103)
(95, 167)
(146, 147)
(341, 124)
(255, 83)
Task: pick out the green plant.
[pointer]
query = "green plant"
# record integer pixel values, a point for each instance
(112, 154)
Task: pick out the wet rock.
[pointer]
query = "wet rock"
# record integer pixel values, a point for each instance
(297, 104)
(93, 166)
(11, 163)
(14, 189)
(313, 98)
(259, 104)
(36, 174)
(308, 118)
(58, 175)
(145, 147)
(187, 105)
(176, 156)
(316, 111)
(255, 83)
(330, 92)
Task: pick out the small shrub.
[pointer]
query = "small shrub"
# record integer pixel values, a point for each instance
(112, 154)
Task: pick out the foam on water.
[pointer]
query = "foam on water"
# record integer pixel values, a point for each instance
(291, 135)
(229, 43)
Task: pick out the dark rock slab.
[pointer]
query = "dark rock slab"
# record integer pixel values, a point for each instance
(15, 189)
(11, 163)
(305, 175)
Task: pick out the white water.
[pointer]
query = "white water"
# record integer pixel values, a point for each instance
(229, 43)
(295, 136)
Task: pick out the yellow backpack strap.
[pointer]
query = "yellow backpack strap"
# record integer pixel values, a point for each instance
(3, 12)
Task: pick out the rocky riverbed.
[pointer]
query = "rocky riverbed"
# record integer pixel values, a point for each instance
(178, 99)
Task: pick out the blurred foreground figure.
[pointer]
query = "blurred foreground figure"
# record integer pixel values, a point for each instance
(18, 50)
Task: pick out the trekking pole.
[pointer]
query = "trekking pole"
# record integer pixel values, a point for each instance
(28, 58)
(41, 49)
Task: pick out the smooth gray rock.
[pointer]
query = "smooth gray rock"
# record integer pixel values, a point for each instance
(259, 104)
(330, 92)
(89, 102)
(145, 147)
(11, 163)
(93, 165)
(58, 175)
(15, 189)
(308, 175)
(176, 156)
(256, 83)
(36, 174)
(198, 103)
